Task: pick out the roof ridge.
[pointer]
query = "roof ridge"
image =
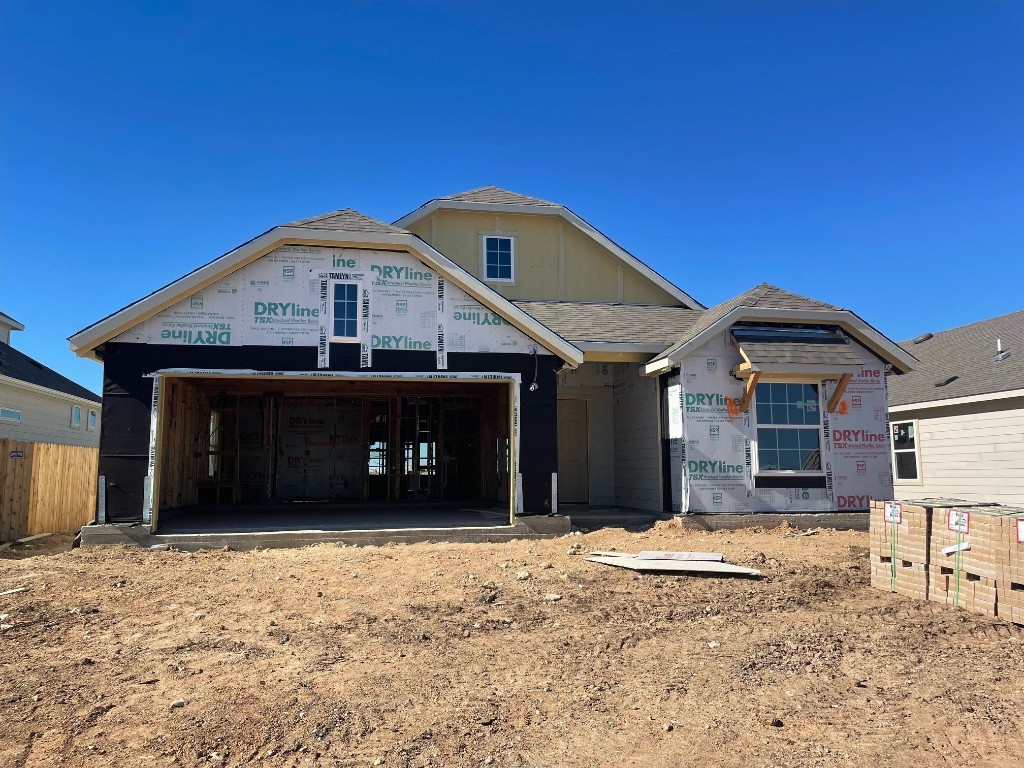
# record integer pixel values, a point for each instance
(365, 221)
(492, 195)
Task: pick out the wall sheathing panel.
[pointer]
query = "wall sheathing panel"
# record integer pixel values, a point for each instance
(716, 456)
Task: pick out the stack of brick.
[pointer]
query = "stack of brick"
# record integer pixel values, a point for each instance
(899, 547)
(960, 553)
(1010, 568)
(965, 550)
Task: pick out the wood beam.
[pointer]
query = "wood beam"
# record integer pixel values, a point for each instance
(748, 392)
(837, 396)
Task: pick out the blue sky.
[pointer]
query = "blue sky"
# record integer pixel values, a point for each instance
(868, 154)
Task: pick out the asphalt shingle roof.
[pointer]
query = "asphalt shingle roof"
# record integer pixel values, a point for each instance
(965, 352)
(612, 322)
(796, 352)
(763, 295)
(18, 365)
(497, 196)
(346, 220)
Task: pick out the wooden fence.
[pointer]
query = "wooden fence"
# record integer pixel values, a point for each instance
(45, 488)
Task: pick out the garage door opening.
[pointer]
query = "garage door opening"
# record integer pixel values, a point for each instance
(236, 448)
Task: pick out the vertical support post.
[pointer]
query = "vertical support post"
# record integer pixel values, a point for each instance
(554, 493)
(101, 500)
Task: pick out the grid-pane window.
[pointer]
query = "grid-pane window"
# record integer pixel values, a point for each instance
(498, 258)
(346, 311)
(904, 450)
(788, 428)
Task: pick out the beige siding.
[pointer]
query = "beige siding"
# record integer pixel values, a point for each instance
(553, 260)
(638, 479)
(973, 452)
(593, 382)
(46, 418)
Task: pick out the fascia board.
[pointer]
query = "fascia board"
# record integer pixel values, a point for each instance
(577, 221)
(1005, 395)
(85, 342)
(30, 387)
(10, 321)
(888, 350)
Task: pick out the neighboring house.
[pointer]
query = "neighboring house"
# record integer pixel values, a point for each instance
(471, 351)
(38, 404)
(958, 419)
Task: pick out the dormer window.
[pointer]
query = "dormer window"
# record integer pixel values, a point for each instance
(499, 258)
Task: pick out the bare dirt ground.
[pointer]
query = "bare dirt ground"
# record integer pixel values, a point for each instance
(450, 655)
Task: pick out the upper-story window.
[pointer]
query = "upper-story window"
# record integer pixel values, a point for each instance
(499, 254)
(76, 416)
(90, 423)
(10, 414)
(345, 315)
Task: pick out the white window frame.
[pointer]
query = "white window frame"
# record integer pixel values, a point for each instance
(15, 418)
(92, 420)
(76, 416)
(484, 237)
(358, 318)
(756, 458)
(919, 480)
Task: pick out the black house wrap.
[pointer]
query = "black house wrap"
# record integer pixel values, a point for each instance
(127, 399)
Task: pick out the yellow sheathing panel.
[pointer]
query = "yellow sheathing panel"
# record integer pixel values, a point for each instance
(543, 244)
(637, 289)
(591, 273)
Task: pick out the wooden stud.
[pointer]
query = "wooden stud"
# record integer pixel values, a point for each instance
(833, 401)
(748, 392)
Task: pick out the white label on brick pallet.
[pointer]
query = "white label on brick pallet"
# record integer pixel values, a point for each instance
(1020, 530)
(893, 512)
(958, 520)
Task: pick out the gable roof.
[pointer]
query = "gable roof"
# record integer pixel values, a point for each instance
(17, 365)
(344, 228)
(502, 201)
(769, 303)
(966, 352)
(345, 220)
(612, 322)
(496, 196)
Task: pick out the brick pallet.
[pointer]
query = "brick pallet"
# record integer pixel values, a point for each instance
(1010, 569)
(899, 550)
(950, 551)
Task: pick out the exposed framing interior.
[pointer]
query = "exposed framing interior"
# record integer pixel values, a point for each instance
(265, 439)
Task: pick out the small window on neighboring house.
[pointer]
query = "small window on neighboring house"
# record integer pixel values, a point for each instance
(10, 414)
(904, 450)
(499, 258)
(345, 312)
(90, 424)
(76, 416)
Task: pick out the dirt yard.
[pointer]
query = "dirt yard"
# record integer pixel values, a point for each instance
(461, 655)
